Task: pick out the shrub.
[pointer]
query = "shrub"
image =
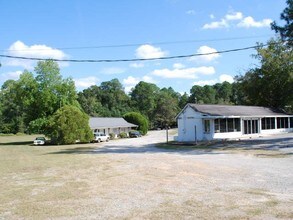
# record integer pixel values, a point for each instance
(137, 119)
(112, 136)
(123, 135)
(67, 125)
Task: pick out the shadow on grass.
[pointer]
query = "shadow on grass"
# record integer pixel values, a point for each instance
(260, 148)
(17, 143)
(118, 149)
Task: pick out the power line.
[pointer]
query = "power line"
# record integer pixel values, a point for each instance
(129, 60)
(139, 44)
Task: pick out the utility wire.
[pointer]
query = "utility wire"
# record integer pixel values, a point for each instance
(139, 44)
(129, 60)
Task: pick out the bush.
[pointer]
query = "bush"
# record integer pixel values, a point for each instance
(112, 136)
(123, 135)
(67, 125)
(137, 119)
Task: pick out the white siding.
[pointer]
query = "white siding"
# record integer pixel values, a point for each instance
(187, 121)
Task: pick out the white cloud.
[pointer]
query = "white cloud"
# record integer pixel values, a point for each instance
(18, 48)
(227, 78)
(206, 58)
(178, 66)
(112, 70)
(248, 22)
(131, 80)
(205, 82)
(136, 65)
(147, 51)
(222, 78)
(86, 82)
(234, 16)
(148, 79)
(128, 89)
(188, 73)
(230, 20)
(212, 16)
(216, 24)
(10, 75)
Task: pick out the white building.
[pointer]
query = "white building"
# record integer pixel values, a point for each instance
(198, 122)
(108, 125)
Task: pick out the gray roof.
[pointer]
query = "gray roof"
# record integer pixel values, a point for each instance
(236, 110)
(101, 122)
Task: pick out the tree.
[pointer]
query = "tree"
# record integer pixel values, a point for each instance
(67, 125)
(137, 119)
(53, 91)
(223, 92)
(271, 83)
(202, 95)
(183, 100)
(28, 101)
(143, 97)
(114, 99)
(286, 31)
(166, 110)
(16, 97)
(10, 110)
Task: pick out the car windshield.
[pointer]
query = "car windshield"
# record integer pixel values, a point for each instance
(40, 138)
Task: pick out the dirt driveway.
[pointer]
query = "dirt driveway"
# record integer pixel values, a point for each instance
(132, 179)
(246, 182)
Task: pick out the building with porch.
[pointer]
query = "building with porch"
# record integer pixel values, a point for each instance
(198, 122)
(109, 125)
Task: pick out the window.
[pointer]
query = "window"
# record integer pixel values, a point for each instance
(217, 125)
(237, 124)
(223, 125)
(291, 122)
(227, 125)
(207, 126)
(282, 122)
(230, 124)
(268, 123)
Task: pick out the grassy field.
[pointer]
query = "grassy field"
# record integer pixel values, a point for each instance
(75, 181)
(37, 183)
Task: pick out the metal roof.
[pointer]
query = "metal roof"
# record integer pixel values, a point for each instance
(101, 122)
(236, 110)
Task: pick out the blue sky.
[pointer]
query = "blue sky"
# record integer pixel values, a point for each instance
(83, 29)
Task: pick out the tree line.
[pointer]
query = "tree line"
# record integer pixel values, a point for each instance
(28, 104)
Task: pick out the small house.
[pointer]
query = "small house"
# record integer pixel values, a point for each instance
(108, 125)
(197, 122)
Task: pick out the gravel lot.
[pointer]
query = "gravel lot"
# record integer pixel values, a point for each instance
(171, 184)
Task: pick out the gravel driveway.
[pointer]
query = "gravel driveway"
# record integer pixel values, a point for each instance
(154, 183)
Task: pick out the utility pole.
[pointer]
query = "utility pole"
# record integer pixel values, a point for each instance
(167, 136)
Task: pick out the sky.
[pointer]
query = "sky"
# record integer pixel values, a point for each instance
(136, 29)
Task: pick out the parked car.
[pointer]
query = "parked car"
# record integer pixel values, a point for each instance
(40, 141)
(98, 137)
(134, 134)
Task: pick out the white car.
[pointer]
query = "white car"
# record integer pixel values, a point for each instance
(98, 137)
(40, 141)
